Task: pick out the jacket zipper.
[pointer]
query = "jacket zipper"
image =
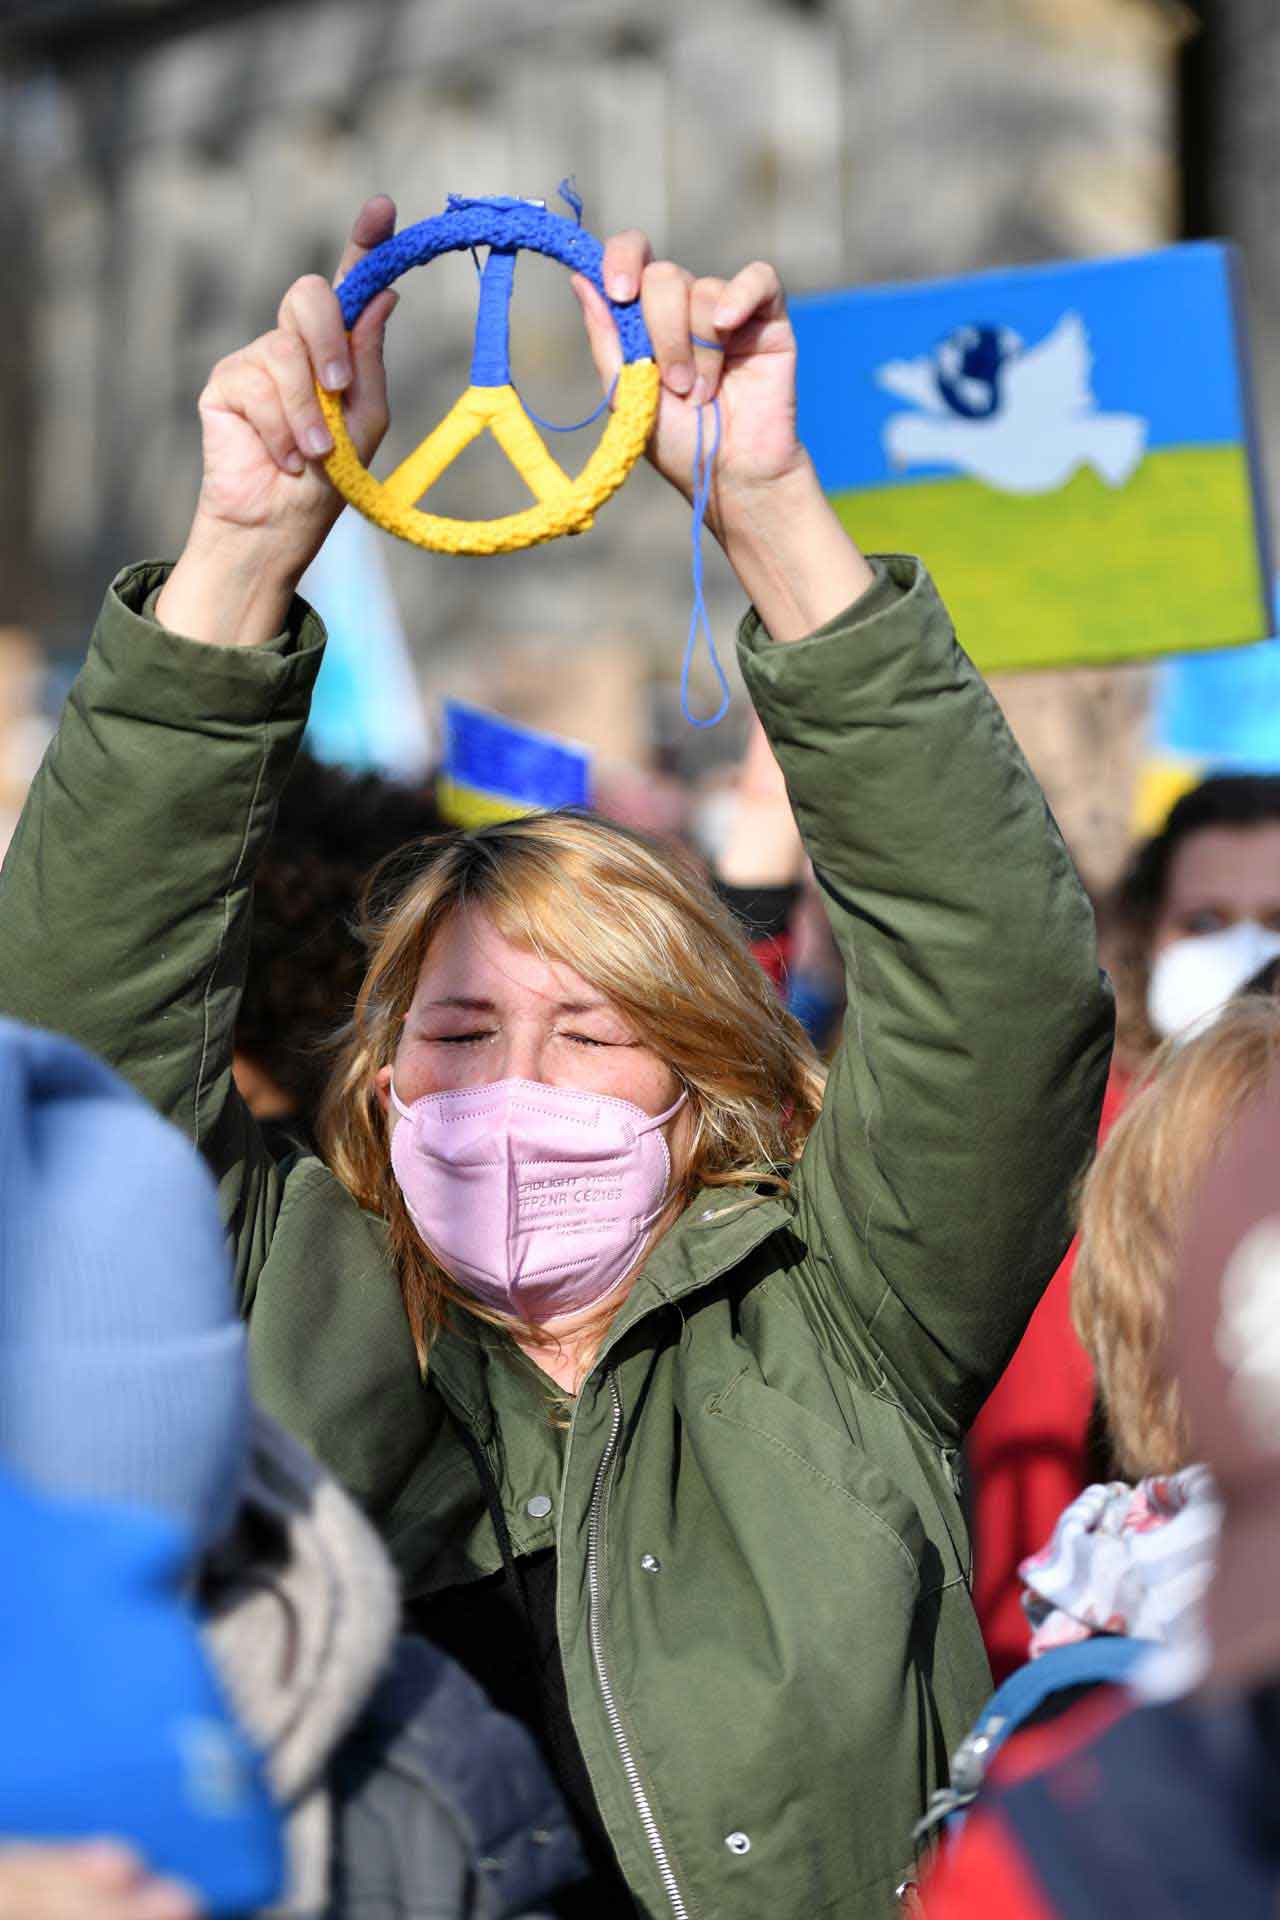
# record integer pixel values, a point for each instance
(596, 1525)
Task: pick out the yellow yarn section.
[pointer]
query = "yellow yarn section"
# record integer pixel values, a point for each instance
(563, 505)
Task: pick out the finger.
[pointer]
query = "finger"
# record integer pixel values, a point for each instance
(109, 1864)
(602, 334)
(664, 292)
(288, 365)
(626, 255)
(158, 1900)
(310, 309)
(242, 387)
(375, 222)
(368, 412)
(753, 294)
(708, 362)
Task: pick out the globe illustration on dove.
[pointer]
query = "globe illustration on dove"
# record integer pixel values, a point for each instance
(1023, 418)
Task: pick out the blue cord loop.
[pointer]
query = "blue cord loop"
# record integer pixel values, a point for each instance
(702, 472)
(575, 426)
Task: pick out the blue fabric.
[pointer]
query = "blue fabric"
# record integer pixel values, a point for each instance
(495, 756)
(501, 223)
(123, 1363)
(810, 1000)
(114, 1722)
(1104, 1659)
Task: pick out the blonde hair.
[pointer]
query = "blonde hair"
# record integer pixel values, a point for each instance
(636, 921)
(1134, 1208)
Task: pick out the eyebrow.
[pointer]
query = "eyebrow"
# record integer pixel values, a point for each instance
(465, 1003)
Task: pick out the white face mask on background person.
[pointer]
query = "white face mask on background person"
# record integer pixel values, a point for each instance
(1192, 979)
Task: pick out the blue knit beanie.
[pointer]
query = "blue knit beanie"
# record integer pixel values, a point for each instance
(123, 1370)
(115, 1722)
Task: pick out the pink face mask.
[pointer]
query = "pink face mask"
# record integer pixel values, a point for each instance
(537, 1199)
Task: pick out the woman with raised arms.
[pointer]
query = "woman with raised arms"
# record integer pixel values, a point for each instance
(650, 1358)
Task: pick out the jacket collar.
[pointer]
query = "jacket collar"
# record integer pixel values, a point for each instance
(713, 1235)
(716, 1231)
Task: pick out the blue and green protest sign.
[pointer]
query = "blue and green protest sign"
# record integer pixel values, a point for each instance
(1071, 449)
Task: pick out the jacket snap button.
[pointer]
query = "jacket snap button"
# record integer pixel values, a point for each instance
(738, 1842)
(539, 1507)
(651, 1563)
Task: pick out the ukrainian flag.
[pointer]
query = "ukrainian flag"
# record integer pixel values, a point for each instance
(494, 769)
(1070, 448)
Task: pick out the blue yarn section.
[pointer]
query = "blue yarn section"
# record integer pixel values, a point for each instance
(568, 192)
(491, 353)
(458, 202)
(702, 471)
(507, 225)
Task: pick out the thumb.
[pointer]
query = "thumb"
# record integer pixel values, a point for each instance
(602, 334)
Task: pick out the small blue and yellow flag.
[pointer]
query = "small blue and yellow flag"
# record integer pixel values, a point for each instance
(494, 769)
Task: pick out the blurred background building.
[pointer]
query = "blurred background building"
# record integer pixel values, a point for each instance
(172, 164)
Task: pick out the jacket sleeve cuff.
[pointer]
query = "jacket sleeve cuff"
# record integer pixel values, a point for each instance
(894, 576)
(189, 682)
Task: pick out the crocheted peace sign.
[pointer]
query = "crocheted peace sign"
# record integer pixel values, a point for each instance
(505, 227)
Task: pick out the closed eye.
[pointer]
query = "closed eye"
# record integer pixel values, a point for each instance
(460, 1039)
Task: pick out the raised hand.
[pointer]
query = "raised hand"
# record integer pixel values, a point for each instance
(754, 376)
(264, 435)
(766, 506)
(266, 504)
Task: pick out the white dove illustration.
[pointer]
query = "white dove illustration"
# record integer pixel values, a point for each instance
(1024, 419)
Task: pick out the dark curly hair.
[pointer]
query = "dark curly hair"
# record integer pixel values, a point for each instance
(306, 960)
(1231, 800)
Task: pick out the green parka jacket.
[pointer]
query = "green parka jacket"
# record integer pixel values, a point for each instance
(763, 1606)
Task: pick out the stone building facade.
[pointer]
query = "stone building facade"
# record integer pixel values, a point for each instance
(170, 180)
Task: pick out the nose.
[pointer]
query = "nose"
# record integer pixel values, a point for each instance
(523, 1055)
